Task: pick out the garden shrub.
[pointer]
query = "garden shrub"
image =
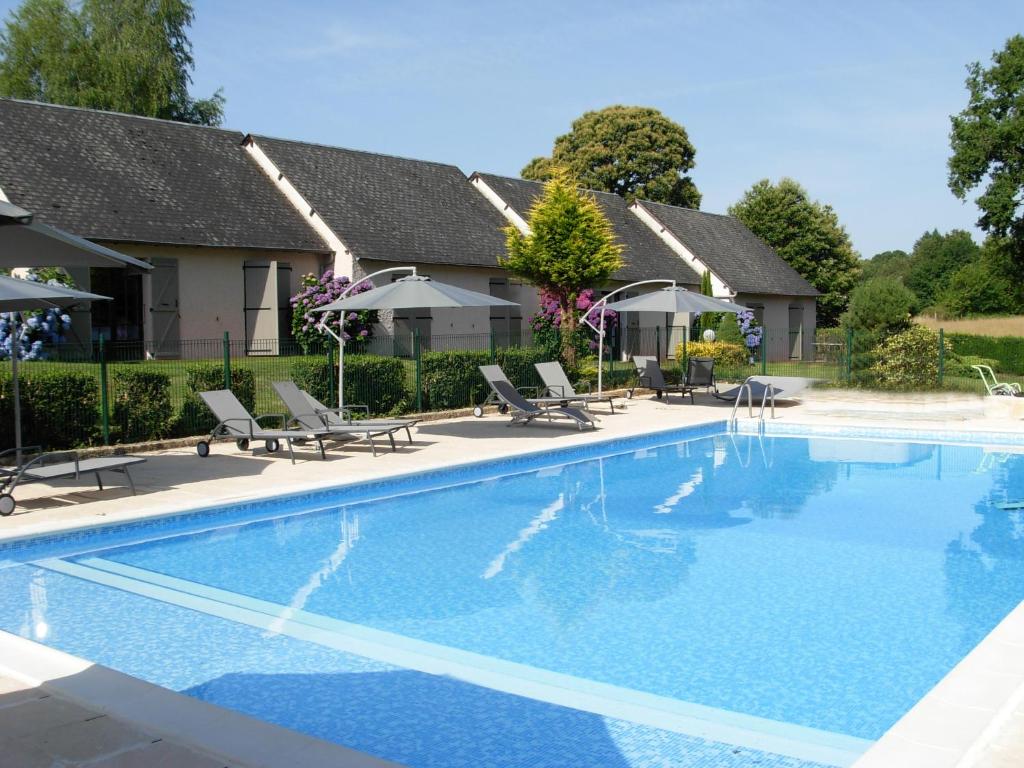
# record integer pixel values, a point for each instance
(723, 353)
(728, 330)
(452, 379)
(371, 380)
(1007, 350)
(908, 360)
(960, 365)
(141, 407)
(879, 308)
(59, 409)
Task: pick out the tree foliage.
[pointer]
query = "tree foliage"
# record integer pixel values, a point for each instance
(988, 144)
(934, 260)
(570, 247)
(131, 56)
(983, 286)
(635, 152)
(808, 235)
(894, 263)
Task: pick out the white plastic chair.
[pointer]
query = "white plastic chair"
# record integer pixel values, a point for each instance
(993, 385)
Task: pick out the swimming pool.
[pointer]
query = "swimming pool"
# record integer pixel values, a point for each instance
(693, 598)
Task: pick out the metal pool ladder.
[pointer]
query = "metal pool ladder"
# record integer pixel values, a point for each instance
(767, 397)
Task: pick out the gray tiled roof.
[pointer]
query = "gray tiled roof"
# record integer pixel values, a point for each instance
(731, 251)
(122, 178)
(392, 208)
(646, 256)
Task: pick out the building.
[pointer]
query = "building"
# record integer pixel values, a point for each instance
(231, 222)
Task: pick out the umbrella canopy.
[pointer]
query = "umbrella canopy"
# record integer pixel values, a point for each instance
(21, 295)
(38, 245)
(412, 292)
(674, 299)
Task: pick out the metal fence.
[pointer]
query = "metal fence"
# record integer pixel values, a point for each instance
(113, 392)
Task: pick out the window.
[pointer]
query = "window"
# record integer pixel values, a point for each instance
(506, 322)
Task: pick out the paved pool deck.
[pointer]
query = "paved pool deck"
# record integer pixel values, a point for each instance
(176, 479)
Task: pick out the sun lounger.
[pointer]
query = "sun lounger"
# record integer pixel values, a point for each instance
(309, 413)
(557, 384)
(993, 385)
(44, 467)
(523, 411)
(782, 388)
(236, 423)
(700, 373)
(493, 373)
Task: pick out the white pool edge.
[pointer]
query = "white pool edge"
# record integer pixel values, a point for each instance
(223, 733)
(954, 723)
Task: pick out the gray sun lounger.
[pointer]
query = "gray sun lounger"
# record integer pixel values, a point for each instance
(524, 411)
(493, 373)
(700, 374)
(236, 423)
(557, 384)
(309, 413)
(44, 467)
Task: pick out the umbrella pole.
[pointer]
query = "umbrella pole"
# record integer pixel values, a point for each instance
(600, 354)
(15, 390)
(341, 371)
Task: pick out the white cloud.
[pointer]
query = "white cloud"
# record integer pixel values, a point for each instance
(340, 39)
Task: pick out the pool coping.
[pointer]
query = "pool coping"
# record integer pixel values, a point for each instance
(224, 733)
(950, 726)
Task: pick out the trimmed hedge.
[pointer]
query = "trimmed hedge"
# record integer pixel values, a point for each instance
(371, 380)
(1008, 351)
(908, 360)
(453, 380)
(142, 407)
(59, 409)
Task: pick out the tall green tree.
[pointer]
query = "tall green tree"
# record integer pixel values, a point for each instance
(130, 56)
(895, 263)
(934, 260)
(988, 145)
(708, 320)
(570, 247)
(808, 235)
(635, 152)
(985, 285)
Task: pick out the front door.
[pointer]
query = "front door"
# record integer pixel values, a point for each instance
(166, 341)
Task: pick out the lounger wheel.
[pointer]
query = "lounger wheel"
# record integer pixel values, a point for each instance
(6, 504)
(272, 446)
(629, 394)
(502, 409)
(478, 411)
(242, 445)
(203, 449)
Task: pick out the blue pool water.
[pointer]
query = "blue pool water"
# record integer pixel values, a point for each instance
(776, 601)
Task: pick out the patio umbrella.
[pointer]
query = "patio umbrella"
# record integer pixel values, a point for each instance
(405, 293)
(24, 295)
(26, 243)
(674, 298)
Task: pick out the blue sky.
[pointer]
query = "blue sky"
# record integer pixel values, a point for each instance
(851, 99)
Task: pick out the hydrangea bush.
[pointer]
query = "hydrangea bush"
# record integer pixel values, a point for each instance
(42, 328)
(750, 329)
(317, 291)
(547, 325)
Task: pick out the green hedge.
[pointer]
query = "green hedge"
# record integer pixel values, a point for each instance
(59, 409)
(141, 405)
(1007, 350)
(371, 380)
(452, 379)
(194, 417)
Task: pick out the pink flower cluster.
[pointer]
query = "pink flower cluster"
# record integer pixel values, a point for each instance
(550, 315)
(317, 292)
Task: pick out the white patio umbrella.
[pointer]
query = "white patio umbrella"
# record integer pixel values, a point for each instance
(405, 293)
(672, 298)
(25, 295)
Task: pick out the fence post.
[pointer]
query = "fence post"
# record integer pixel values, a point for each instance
(657, 342)
(942, 356)
(332, 377)
(227, 361)
(494, 350)
(764, 352)
(104, 394)
(849, 354)
(416, 355)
